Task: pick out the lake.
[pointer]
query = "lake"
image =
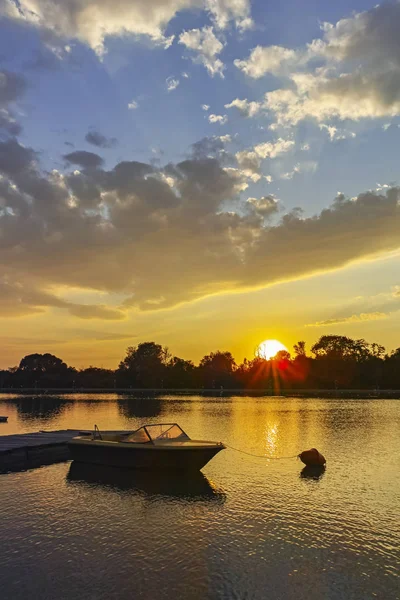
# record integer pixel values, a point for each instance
(246, 528)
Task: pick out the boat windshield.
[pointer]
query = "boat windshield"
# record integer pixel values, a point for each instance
(140, 436)
(152, 433)
(168, 431)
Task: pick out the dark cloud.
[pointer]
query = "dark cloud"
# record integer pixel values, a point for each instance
(15, 158)
(98, 139)
(86, 160)
(20, 299)
(12, 87)
(265, 206)
(8, 123)
(162, 236)
(208, 147)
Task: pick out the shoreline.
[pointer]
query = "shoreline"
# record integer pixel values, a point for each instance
(313, 393)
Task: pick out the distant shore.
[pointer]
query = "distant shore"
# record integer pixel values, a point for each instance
(221, 392)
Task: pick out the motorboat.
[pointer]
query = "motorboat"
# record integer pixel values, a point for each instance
(3, 419)
(161, 446)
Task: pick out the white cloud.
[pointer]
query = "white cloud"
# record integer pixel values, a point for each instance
(249, 161)
(357, 77)
(206, 47)
(225, 139)
(250, 164)
(262, 60)
(133, 105)
(224, 11)
(92, 21)
(307, 166)
(172, 83)
(246, 108)
(221, 119)
(335, 133)
(273, 149)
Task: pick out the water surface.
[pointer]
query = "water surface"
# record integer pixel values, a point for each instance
(245, 528)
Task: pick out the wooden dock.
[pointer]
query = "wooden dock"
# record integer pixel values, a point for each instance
(30, 450)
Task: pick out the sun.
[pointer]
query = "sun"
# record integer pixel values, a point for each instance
(269, 348)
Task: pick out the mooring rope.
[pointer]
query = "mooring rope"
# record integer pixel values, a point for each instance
(260, 455)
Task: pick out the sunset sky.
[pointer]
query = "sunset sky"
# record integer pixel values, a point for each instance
(204, 174)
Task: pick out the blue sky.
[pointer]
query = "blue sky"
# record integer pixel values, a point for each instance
(81, 91)
(314, 111)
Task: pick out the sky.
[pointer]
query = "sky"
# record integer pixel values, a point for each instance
(205, 174)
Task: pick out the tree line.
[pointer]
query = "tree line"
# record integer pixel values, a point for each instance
(335, 362)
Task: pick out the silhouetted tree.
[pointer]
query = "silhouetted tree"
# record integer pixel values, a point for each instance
(95, 377)
(338, 361)
(179, 373)
(300, 348)
(217, 369)
(43, 370)
(144, 366)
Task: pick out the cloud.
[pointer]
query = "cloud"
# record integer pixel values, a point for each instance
(86, 160)
(172, 83)
(249, 161)
(93, 21)
(161, 236)
(23, 299)
(305, 166)
(15, 158)
(93, 311)
(263, 60)
(133, 105)
(265, 206)
(246, 108)
(12, 87)
(98, 139)
(221, 119)
(335, 133)
(353, 72)
(210, 146)
(224, 11)
(8, 123)
(273, 149)
(361, 318)
(206, 47)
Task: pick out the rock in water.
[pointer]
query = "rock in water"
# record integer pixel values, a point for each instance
(312, 458)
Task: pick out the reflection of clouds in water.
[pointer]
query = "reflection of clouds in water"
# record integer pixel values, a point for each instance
(190, 486)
